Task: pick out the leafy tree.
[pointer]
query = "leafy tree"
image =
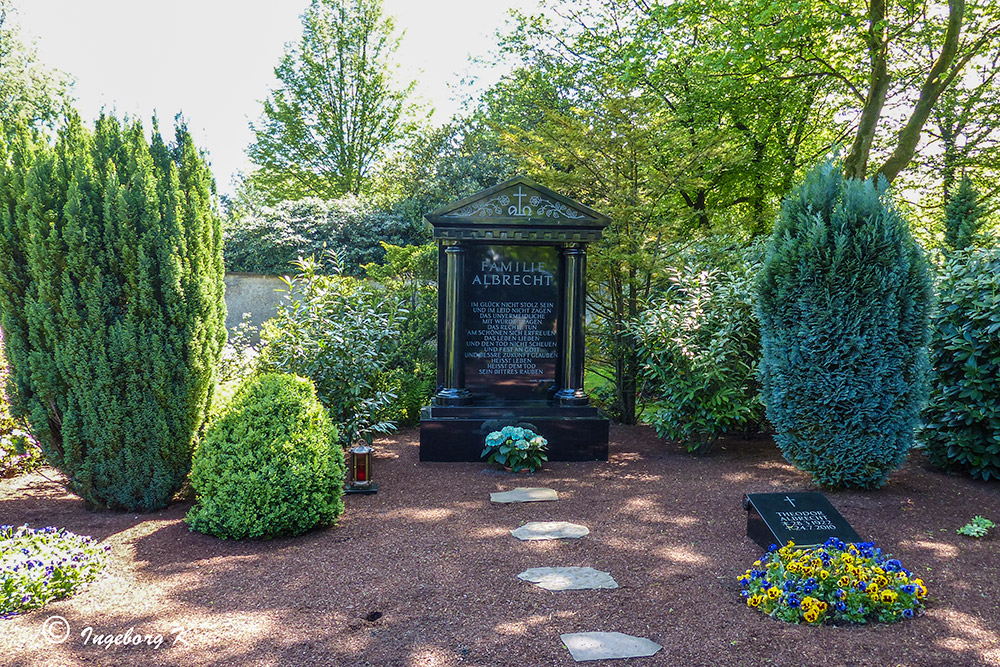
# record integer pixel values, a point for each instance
(442, 165)
(843, 302)
(888, 63)
(111, 299)
(29, 91)
(962, 138)
(336, 111)
(964, 130)
(962, 216)
(767, 126)
(632, 108)
(921, 51)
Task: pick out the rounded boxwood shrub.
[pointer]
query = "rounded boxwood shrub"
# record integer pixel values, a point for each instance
(961, 424)
(843, 302)
(269, 466)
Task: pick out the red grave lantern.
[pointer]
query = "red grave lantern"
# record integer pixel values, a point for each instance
(359, 463)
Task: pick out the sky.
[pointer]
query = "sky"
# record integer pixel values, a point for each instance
(213, 60)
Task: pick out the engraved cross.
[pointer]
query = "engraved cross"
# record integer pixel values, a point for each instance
(520, 195)
(790, 501)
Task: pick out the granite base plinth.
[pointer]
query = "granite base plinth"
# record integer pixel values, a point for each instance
(456, 434)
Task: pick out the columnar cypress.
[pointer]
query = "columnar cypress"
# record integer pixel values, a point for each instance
(112, 304)
(843, 304)
(963, 215)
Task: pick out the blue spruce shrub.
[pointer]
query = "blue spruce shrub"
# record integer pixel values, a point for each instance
(843, 301)
(270, 465)
(961, 423)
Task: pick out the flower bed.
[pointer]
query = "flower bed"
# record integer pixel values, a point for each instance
(834, 583)
(38, 565)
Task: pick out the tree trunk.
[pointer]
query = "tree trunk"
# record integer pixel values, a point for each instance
(856, 164)
(937, 80)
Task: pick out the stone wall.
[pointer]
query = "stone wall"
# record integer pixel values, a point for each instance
(252, 293)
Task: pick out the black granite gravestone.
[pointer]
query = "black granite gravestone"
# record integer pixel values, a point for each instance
(511, 310)
(808, 519)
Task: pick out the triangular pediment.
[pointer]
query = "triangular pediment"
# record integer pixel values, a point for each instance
(519, 201)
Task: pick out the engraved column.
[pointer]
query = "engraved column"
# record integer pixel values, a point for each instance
(571, 340)
(453, 391)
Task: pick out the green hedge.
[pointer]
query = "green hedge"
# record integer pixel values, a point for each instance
(270, 465)
(270, 240)
(843, 301)
(961, 424)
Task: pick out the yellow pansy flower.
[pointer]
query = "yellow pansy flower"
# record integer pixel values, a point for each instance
(774, 593)
(811, 615)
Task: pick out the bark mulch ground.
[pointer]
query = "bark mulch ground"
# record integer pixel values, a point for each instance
(425, 572)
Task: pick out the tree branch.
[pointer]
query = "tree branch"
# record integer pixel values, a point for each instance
(930, 91)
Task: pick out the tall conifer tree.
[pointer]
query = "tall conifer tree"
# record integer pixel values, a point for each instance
(843, 302)
(112, 304)
(963, 216)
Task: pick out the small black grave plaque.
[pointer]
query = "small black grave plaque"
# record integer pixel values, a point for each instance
(808, 519)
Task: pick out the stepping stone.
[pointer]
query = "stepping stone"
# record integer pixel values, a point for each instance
(524, 495)
(568, 578)
(550, 530)
(607, 645)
